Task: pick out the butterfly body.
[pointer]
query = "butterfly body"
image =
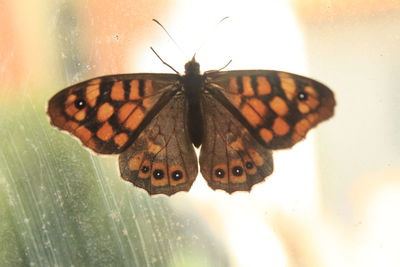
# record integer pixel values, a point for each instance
(153, 121)
(193, 84)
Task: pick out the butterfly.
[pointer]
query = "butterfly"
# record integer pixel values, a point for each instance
(154, 121)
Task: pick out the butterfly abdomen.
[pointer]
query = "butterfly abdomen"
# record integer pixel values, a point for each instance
(193, 84)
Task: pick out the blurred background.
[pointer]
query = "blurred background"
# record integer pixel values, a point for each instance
(333, 199)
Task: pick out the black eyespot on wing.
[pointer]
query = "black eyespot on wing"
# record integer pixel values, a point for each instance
(302, 96)
(177, 175)
(80, 103)
(220, 173)
(237, 171)
(145, 169)
(249, 165)
(158, 174)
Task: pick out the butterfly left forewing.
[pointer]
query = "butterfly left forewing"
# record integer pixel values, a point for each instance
(107, 113)
(231, 159)
(278, 108)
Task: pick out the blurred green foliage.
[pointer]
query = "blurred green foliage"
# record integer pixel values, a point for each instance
(61, 205)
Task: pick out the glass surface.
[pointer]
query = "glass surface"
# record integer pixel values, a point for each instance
(331, 201)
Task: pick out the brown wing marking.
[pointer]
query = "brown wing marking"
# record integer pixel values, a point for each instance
(162, 159)
(230, 159)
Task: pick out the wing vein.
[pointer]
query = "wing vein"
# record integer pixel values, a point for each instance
(180, 154)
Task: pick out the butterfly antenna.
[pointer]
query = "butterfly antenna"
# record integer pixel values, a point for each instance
(165, 63)
(226, 65)
(214, 71)
(211, 34)
(170, 37)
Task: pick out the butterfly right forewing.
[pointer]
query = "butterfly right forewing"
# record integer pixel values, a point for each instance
(278, 108)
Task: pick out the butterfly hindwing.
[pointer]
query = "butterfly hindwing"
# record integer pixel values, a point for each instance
(162, 159)
(107, 113)
(231, 158)
(278, 108)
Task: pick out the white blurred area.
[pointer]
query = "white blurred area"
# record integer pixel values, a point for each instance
(268, 37)
(332, 199)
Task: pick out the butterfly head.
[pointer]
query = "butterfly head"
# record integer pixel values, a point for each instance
(192, 67)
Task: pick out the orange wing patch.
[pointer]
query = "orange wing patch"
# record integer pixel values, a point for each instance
(233, 85)
(247, 88)
(83, 133)
(263, 86)
(105, 112)
(280, 126)
(117, 91)
(105, 132)
(288, 85)
(251, 115)
(134, 91)
(279, 106)
(121, 139)
(93, 92)
(125, 111)
(134, 119)
(80, 115)
(266, 135)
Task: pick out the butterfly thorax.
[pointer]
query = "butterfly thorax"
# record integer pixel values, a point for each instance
(193, 85)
